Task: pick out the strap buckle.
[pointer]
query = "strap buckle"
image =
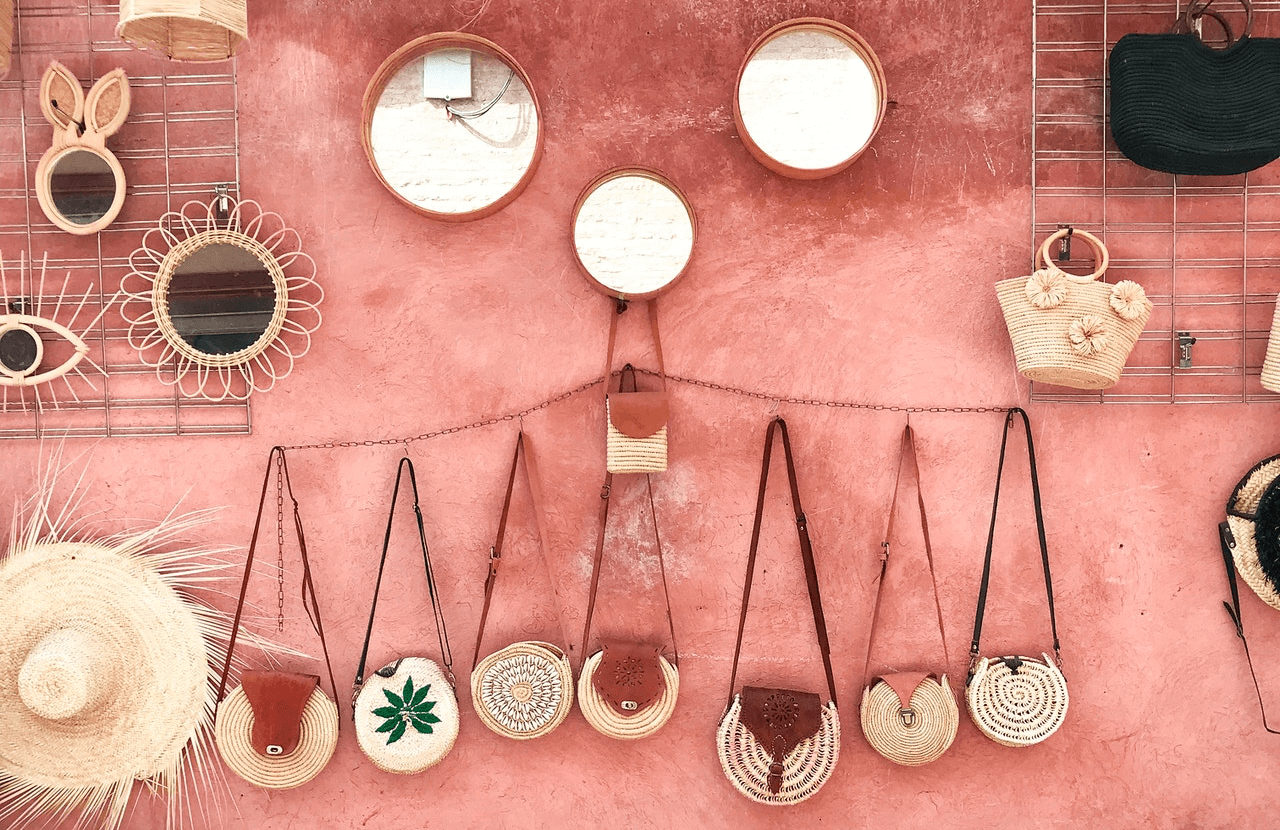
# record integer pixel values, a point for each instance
(495, 556)
(356, 688)
(802, 521)
(884, 551)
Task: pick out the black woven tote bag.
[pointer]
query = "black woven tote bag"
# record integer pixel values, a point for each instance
(1181, 106)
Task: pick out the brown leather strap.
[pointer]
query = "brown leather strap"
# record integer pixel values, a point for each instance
(806, 553)
(605, 492)
(310, 603)
(1228, 542)
(908, 447)
(618, 311)
(525, 448)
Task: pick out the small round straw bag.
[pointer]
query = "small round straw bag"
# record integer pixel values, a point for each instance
(1069, 330)
(636, 422)
(627, 690)
(277, 729)
(406, 714)
(525, 690)
(908, 717)
(779, 746)
(1016, 701)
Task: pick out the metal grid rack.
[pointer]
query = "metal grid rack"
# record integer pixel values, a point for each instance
(1206, 249)
(181, 139)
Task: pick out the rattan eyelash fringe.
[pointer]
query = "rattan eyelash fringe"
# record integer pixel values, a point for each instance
(608, 722)
(524, 690)
(625, 454)
(319, 739)
(933, 727)
(1017, 709)
(746, 764)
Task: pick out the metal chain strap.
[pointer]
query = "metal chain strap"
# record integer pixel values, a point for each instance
(280, 543)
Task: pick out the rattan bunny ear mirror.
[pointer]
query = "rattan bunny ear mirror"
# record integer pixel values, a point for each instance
(452, 126)
(79, 182)
(220, 299)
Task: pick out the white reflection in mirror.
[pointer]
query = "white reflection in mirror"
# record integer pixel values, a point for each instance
(634, 235)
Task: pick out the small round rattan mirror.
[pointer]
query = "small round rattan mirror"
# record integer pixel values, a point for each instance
(633, 232)
(451, 126)
(810, 97)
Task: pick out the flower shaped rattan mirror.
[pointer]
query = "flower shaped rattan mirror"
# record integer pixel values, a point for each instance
(451, 126)
(220, 299)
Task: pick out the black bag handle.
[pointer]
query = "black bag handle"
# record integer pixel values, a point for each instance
(1228, 541)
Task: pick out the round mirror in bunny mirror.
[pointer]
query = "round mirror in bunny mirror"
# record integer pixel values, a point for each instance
(83, 186)
(633, 232)
(221, 299)
(452, 127)
(810, 97)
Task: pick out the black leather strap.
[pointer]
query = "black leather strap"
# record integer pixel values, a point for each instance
(1228, 541)
(991, 535)
(442, 633)
(806, 553)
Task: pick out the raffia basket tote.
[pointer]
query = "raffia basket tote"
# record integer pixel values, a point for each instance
(1253, 517)
(1271, 363)
(1070, 330)
(6, 36)
(185, 30)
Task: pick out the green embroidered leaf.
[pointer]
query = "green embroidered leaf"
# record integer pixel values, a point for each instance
(408, 690)
(427, 718)
(424, 707)
(419, 695)
(389, 725)
(387, 712)
(393, 699)
(422, 726)
(397, 733)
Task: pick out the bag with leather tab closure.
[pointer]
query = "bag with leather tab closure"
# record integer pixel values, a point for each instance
(636, 422)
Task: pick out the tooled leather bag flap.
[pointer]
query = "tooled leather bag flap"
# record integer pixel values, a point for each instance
(780, 719)
(638, 414)
(904, 684)
(277, 699)
(629, 677)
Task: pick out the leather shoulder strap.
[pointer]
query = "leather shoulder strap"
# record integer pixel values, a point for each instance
(991, 535)
(1228, 542)
(806, 553)
(620, 307)
(442, 634)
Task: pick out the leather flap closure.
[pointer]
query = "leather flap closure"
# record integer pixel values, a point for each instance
(637, 414)
(629, 677)
(904, 684)
(780, 718)
(277, 699)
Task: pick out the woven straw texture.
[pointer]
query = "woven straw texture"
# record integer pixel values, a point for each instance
(185, 30)
(1246, 498)
(6, 36)
(283, 772)
(625, 454)
(804, 771)
(930, 732)
(408, 721)
(1271, 363)
(524, 690)
(103, 673)
(1017, 709)
(606, 720)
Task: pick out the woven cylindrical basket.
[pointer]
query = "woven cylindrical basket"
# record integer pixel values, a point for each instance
(6, 36)
(805, 769)
(1017, 707)
(406, 716)
(624, 454)
(1271, 363)
(606, 720)
(1070, 330)
(915, 740)
(524, 690)
(319, 739)
(185, 30)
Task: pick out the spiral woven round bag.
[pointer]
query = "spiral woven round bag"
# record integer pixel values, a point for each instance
(746, 761)
(523, 691)
(233, 729)
(1017, 701)
(916, 733)
(608, 721)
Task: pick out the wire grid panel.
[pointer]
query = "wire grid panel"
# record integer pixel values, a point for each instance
(181, 139)
(1206, 249)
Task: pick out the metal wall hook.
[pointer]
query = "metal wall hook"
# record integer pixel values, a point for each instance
(1185, 342)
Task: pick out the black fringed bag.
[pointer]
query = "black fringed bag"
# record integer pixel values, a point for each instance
(1181, 106)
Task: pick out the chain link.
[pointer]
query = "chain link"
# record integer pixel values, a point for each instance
(280, 543)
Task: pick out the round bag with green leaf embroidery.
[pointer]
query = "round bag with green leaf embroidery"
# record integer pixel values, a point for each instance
(407, 716)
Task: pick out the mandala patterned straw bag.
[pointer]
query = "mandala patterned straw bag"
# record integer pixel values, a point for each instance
(908, 717)
(779, 746)
(525, 690)
(1016, 701)
(406, 713)
(627, 690)
(636, 431)
(1070, 330)
(277, 729)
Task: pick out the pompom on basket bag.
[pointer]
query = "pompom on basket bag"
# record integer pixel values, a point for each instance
(406, 713)
(909, 717)
(277, 729)
(627, 690)
(1016, 700)
(524, 690)
(1071, 330)
(635, 421)
(779, 746)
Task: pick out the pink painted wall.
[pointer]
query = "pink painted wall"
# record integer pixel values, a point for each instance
(873, 285)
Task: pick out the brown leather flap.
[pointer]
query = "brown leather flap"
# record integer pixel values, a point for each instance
(277, 699)
(904, 684)
(638, 414)
(629, 677)
(780, 718)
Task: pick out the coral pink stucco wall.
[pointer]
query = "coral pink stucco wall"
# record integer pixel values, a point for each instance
(872, 285)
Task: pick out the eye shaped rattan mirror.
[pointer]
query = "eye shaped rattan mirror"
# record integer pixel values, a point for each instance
(451, 126)
(810, 96)
(633, 232)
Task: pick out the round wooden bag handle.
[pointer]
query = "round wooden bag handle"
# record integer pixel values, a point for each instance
(1099, 252)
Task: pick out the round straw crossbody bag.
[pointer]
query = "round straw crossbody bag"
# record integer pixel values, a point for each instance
(627, 690)
(524, 690)
(908, 717)
(277, 729)
(779, 746)
(1016, 700)
(406, 713)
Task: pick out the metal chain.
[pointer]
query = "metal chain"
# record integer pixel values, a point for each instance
(705, 384)
(280, 542)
